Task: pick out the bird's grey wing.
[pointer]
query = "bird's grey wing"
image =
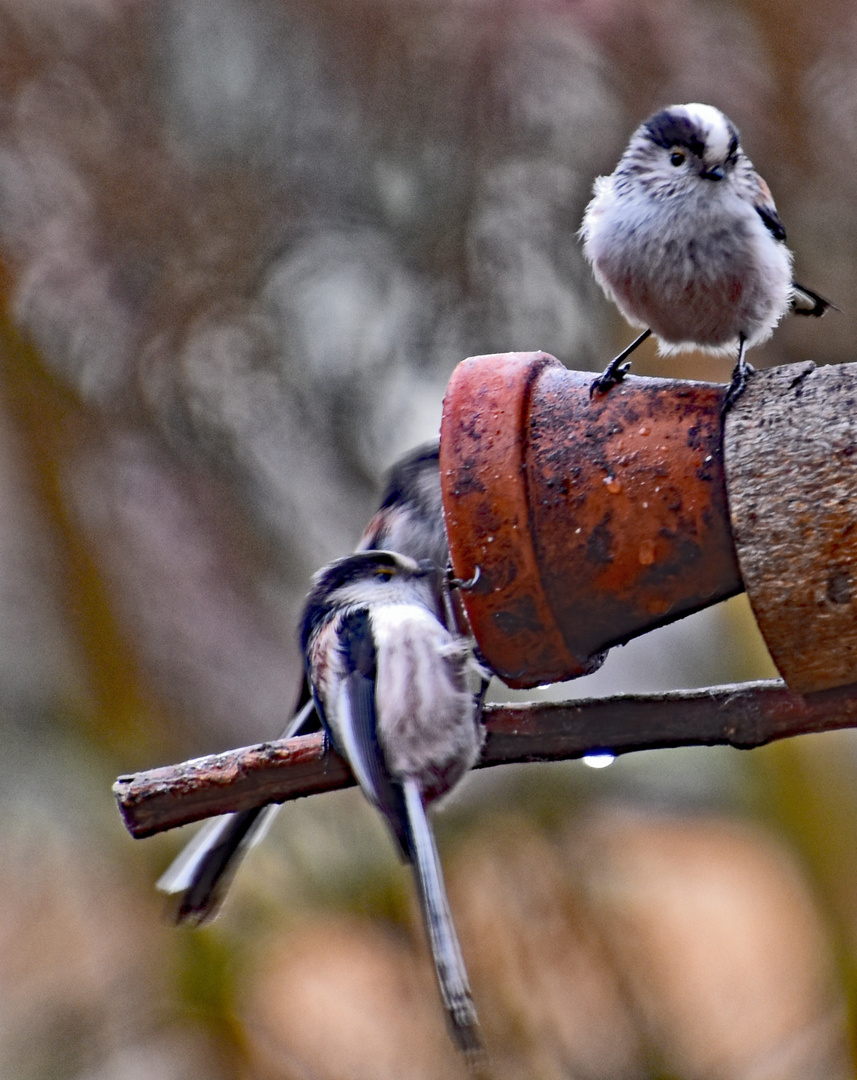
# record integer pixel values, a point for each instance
(763, 201)
(803, 301)
(768, 213)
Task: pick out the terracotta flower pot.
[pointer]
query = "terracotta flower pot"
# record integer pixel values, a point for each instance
(589, 520)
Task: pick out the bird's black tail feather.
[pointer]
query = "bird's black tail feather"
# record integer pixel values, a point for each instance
(446, 952)
(203, 870)
(806, 302)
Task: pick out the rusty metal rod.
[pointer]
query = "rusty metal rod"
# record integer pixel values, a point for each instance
(746, 715)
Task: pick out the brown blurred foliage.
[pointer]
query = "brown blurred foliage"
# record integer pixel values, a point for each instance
(242, 246)
(634, 944)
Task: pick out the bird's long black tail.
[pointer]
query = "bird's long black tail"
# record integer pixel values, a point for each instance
(203, 870)
(806, 302)
(446, 952)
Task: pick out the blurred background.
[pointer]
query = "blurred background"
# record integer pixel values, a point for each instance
(243, 243)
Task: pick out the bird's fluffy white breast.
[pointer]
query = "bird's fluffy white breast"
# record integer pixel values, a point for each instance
(681, 290)
(425, 710)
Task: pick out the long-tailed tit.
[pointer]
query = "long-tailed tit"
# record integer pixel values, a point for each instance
(390, 682)
(685, 238)
(410, 518)
(409, 521)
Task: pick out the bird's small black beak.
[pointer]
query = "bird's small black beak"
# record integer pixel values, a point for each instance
(715, 173)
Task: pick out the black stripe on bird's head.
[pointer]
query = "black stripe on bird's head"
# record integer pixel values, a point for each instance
(349, 581)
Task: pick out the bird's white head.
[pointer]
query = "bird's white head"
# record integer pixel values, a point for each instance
(677, 148)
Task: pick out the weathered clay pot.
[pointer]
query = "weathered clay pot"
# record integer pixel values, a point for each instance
(589, 520)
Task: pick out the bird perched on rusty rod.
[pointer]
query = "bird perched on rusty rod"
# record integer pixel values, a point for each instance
(409, 521)
(685, 238)
(392, 684)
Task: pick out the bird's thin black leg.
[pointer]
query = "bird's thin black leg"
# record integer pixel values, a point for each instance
(617, 369)
(740, 377)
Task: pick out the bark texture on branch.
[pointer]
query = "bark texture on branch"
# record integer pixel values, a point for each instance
(790, 449)
(743, 716)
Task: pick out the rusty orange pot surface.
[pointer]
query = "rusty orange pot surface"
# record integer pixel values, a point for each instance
(590, 520)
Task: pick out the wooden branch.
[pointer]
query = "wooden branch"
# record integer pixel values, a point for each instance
(744, 716)
(789, 447)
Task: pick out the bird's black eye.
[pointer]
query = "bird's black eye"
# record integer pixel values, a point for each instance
(383, 573)
(677, 157)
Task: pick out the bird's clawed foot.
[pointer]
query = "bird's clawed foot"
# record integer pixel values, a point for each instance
(740, 378)
(617, 369)
(612, 375)
(465, 584)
